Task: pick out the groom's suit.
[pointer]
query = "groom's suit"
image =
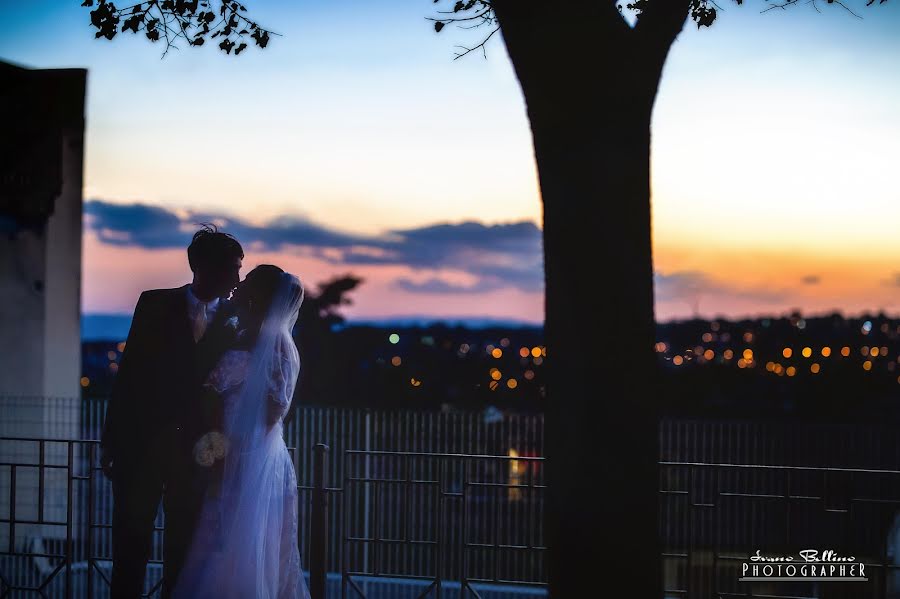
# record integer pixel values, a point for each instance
(152, 422)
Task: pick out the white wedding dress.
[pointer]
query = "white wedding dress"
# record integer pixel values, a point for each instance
(245, 544)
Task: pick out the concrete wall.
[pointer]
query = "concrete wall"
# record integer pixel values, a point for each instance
(41, 162)
(40, 254)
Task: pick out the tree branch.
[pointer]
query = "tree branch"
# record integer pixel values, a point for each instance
(169, 20)
(659, 23)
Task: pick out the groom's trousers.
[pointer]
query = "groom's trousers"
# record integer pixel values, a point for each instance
(138, 486)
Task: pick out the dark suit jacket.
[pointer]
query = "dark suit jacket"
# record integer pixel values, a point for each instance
(153, 413)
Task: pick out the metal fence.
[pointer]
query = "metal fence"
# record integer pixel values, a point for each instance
(415, 504)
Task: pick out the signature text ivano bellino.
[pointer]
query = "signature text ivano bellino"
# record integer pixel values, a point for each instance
(810, 563)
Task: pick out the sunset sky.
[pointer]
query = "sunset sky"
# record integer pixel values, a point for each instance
(356, 144)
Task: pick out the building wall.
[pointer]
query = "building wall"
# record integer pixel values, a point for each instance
(40, 232)
(41, 162)
(62, 294)
(22, 267)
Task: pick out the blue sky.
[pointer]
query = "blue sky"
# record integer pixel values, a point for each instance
(775, 139)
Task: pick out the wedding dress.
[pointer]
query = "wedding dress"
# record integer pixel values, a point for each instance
(245, 544)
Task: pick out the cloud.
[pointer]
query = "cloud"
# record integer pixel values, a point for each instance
(146, 226)
(811, 280)
(499, 255)
(435, 285)
(693, 284)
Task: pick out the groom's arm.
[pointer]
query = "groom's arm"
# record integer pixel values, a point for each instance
(120, 410)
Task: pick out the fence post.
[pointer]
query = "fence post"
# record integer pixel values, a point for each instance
(318, 547)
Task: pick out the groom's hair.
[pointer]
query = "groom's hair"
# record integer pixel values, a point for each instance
(210, 247)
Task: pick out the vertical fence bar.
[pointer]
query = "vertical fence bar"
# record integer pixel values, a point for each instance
(12, 508)
(89, 558)
(318, 558)
(345, 533)
(69, 515)
(41, 460)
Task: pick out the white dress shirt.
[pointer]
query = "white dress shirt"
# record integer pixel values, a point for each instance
(200, 313)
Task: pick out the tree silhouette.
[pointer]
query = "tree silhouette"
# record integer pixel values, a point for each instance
(589, 79)
(314, 334)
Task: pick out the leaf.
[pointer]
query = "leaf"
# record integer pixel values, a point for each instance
(88, 3)
(261, 37)
(240, 49)
(438, 25)
(198, 41)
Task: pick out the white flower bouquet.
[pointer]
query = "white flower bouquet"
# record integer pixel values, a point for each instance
(210, 447)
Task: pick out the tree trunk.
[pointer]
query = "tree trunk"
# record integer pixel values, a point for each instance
(589, 101)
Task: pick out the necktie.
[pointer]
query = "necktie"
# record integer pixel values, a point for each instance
(200, 322)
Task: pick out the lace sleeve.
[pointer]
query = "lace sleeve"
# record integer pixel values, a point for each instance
(228, 372)
(281, 383)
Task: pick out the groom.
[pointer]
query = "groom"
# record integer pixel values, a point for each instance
(154, 416)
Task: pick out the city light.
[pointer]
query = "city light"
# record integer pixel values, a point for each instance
(394, 338)
(787, 352)
(814, 368)
(677, 360)
(845, 351)
(396, 360)
(536, 352)
(867, 365)
(85, 381)
(826, 351)
(512, 383)
(524, 352)
(807, 352)
(495, 374)
(497, 352)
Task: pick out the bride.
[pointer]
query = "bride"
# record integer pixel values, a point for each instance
(245, 544)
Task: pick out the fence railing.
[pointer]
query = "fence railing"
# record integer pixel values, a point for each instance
(437, 522)
(727, 488)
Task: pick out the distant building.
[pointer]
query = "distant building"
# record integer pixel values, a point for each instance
(41, 158)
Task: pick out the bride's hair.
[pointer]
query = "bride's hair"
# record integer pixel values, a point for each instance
(261, 283)
(257, 291)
